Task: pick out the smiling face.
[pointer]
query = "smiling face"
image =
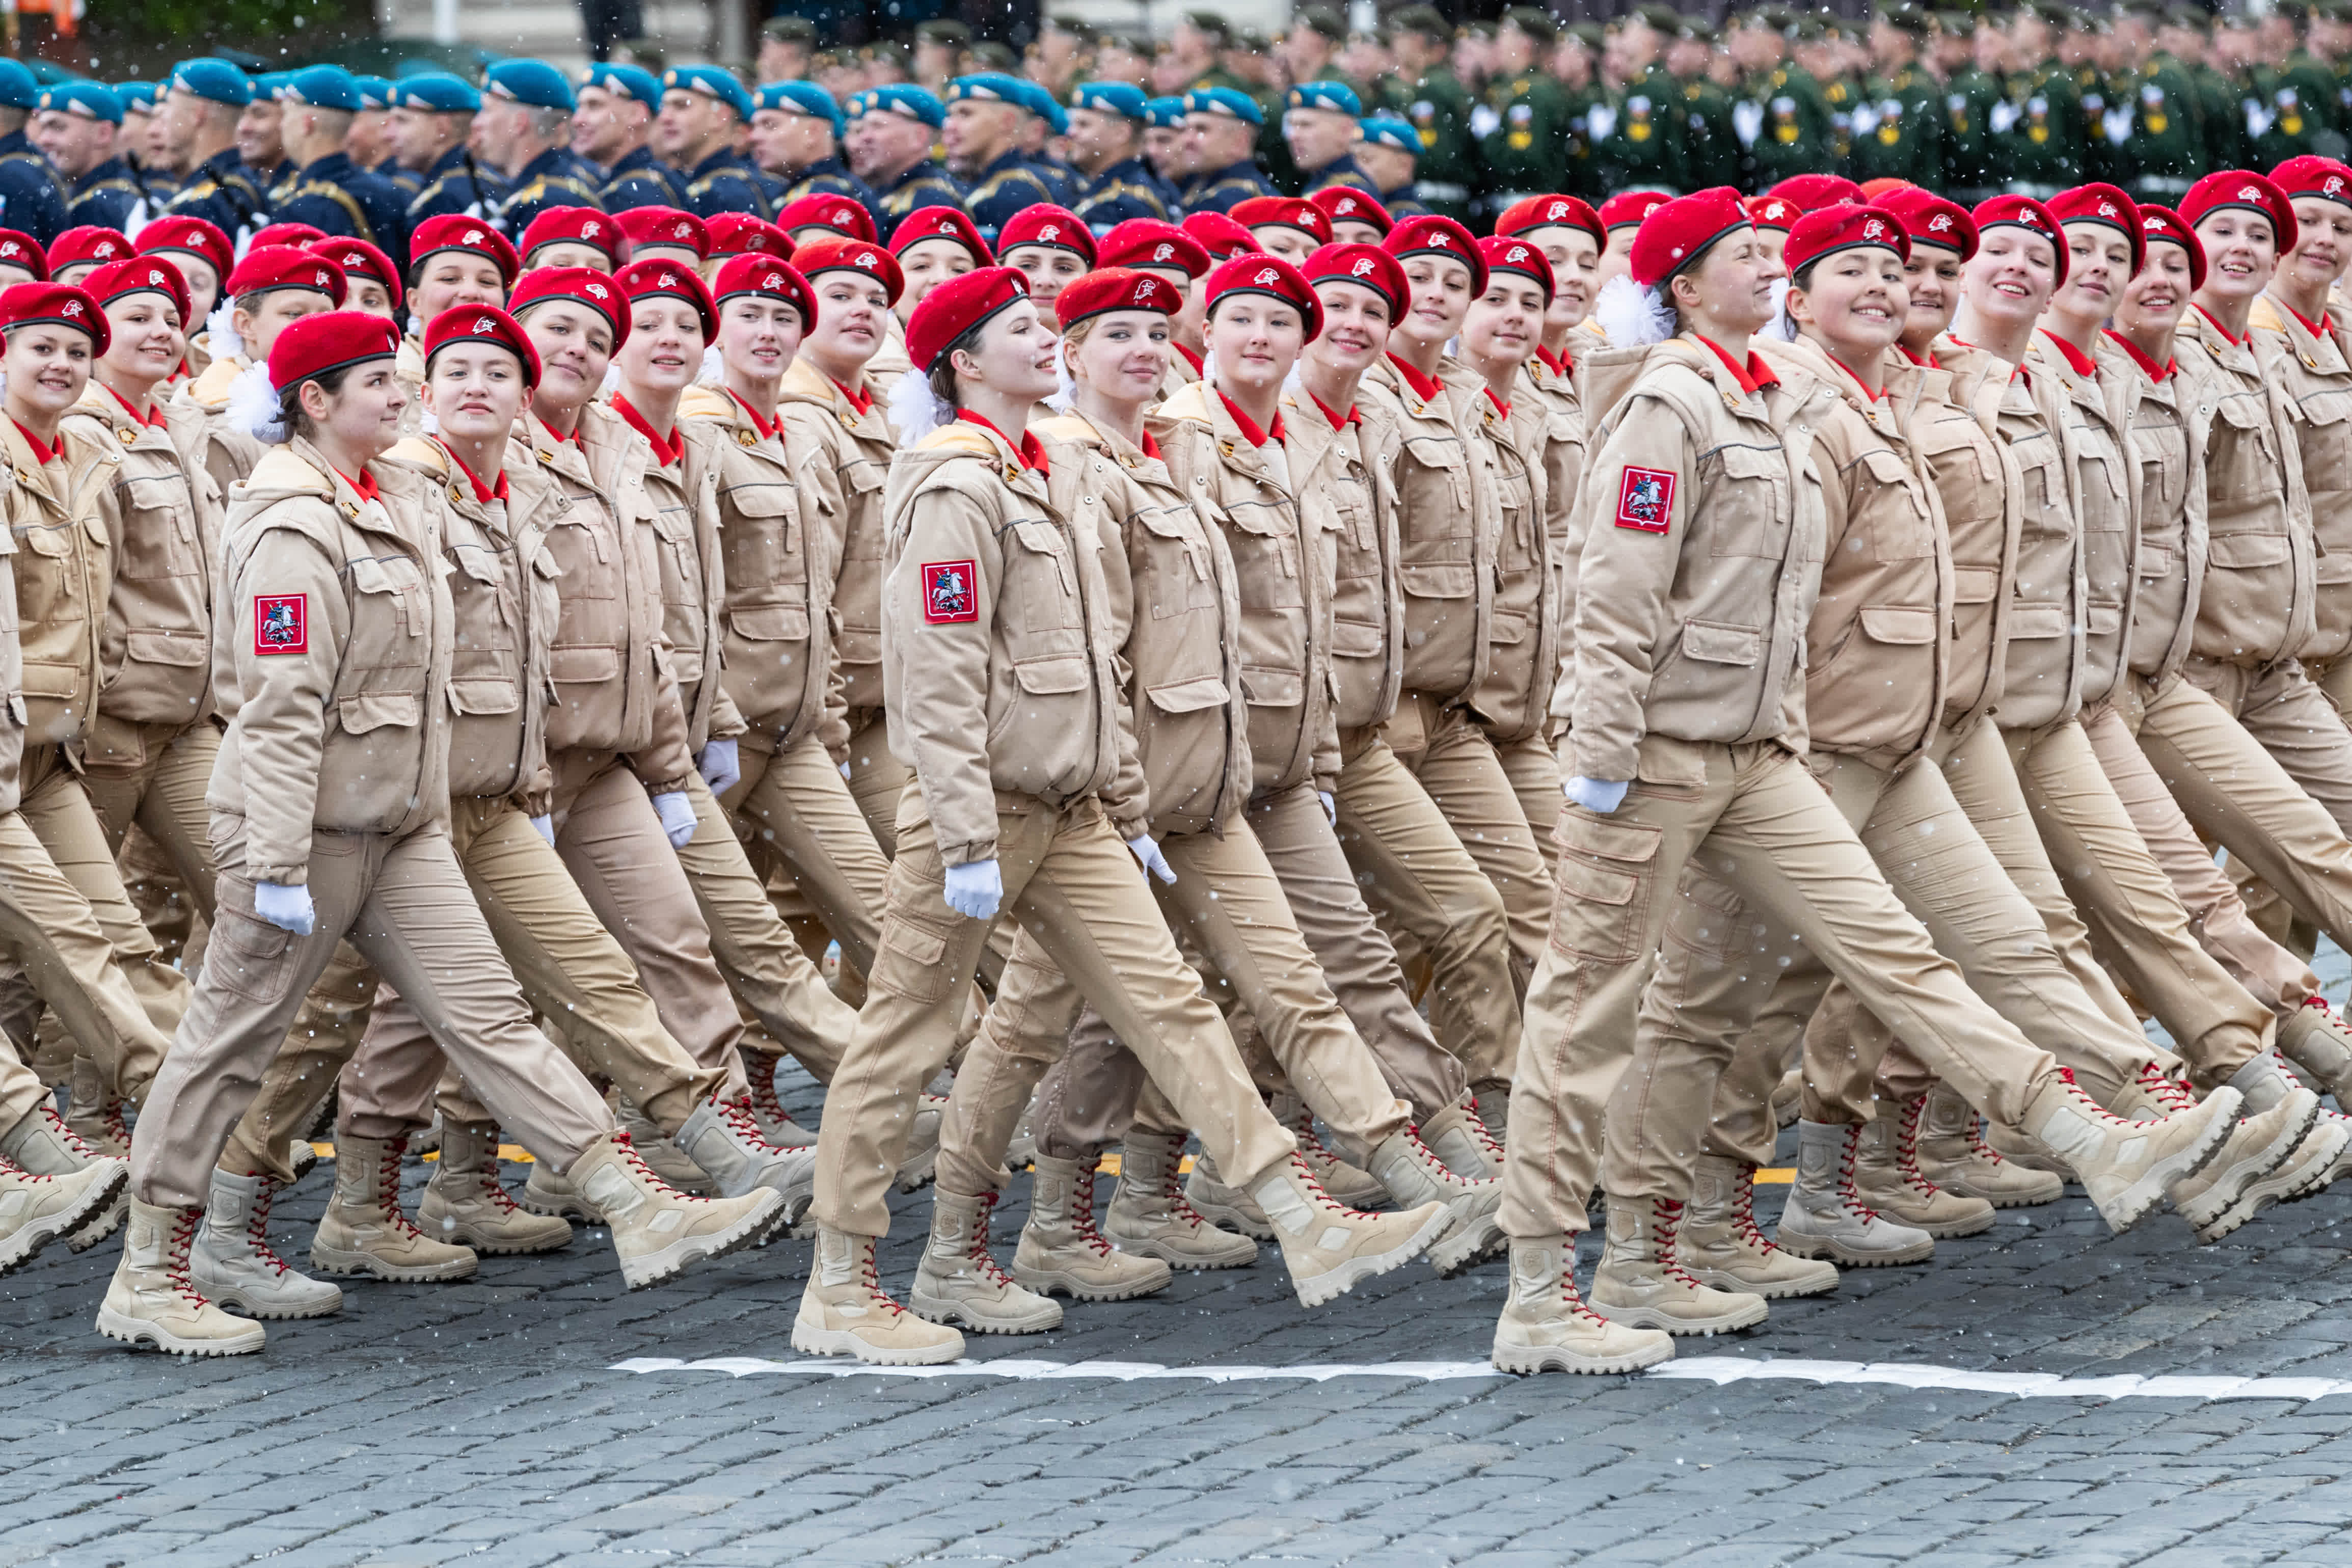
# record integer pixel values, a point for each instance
(1255, 340)
(2240, 253)
(474, 391)
(258, 323)
(1855, 302)
(148, 340)
(453, 278)
(2323, 245)
(1731, 287)
(1357, 321)
(1014, 356)
(2154, 301)
(758, 336)
(926, 264)
(851, 307)
(1122, 355)
(1933, 276)
(575, 344)
(1441, 298)
(2010, 279)
(46, 366)
(363, 416)
(663, 351)
(1504, 325)
(1575, 260)
(2098, 265)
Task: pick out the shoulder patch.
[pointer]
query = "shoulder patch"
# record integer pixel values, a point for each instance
(1645, 499)
(281, 622)
(950, 592)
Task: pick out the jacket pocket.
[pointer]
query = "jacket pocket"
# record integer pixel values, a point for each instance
(481, 695)
(2103, 620)
(1748, 514)
(763, 536)
(584, 662)
(1194, 695)
(2247, 552)
(364, 711)
(1975, 584)
(1443, 454)
(1266, 564)
(1712, 644)
(163, 648)
(1177, 575)
(1273, 688)
(1357, 639)
(2036, 619)
(1903, 625)
(1040, 586)
(1052, 677)
(1438, 580)
(1900, 526)
(770, 623)
(1601, 907)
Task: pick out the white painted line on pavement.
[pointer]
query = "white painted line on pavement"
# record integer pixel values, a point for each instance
(1032, 1370)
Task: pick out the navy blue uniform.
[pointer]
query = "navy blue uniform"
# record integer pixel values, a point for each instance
(104, 196)
(1226, 188)
(551, 180)
(31, 200)
(722, 182)
(830, 177)
(1003, 188)
(407, 182)
(640, 180)
(223, 192)
(923, 185)
(1126, 189)
(337, 197)
(455, 183)
(1340, 171)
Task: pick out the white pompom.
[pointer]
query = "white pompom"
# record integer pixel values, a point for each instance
(253, 406)
(430, 423)
(1783, 327)
(222, 325)
(916, 410)
(1066, 393)
(1631, 315)
(714, 369)
(612, 381)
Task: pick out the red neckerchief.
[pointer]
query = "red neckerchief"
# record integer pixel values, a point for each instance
(2232, 342)
(484, 494)
(1925, 362)
(2148, 367)
(766, 428)
(1353, 415)
(2083, 365)
(1250, 431)
(667, 448)
(44, 453)
(154, 421)
(1150, 449)
(1753, 377)
(1190, 357)
(862, 402)
(572, 435)
(1500, 406)
(364, 484)
(2318, 329)
(1031, 451)
(1426, 387)
(1562, 364)
(1874, 397)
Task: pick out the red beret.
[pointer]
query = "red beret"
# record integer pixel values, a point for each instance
(1553, 211)
(1272, 277)
(1427, 233)
(2311, 176)
(357, 258)
(2020, 212)
(480, 324)
(2107, 204)
(298, 235)
(845, 215)
(1504, 254)
(1626, 209)
(1152, 242)
(1366, 264)
(1283, 212)
(942, 223)
(1845, 226)
(664, 226)
(23, 251)
(139, 275)
(1042, 222)
(757, 273)
(275, 267)
(1219, 234)
(1773, 212)
(1676, 235)
(741, 234)
(1930, 219)
(577, 226)
(88, 243)
(599, 291)
(2162, 223)
(54, 304)
(315, 345)
(1345, 204)
(958, 305)
(1811, 192)
(2227, 188)
(1111, 288)
(852, 255)
(196, 235)
(452, 232)
(669, 280)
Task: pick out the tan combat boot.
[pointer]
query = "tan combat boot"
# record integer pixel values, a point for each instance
(1468, 1147)
(1150, 1217)
(232, 1262)
(549, 1192)
(1491, 1104)
(959, 1281)
(1063, 1253)
(2126, 1166)
(660, 1152)
(152, 1297)
(466, 1204)
(1224, 1206)
(844, 1311)
(775, 1124)
(363, 1231)
(42, 1145)
(1954, 1155)
(658, 1230)
(1413, 1174)
(922, 1161)
(35, 1210)
(1350, 1184)
(2232, 1187)
(1641, 1283)
(1886, 1175)
(2318, 1041)
(723, 1137)
(95, 1116)
(1330, 1248)
(1825, 1216)
(1547, 1326)
(1719, 1245)
(1788, 1101)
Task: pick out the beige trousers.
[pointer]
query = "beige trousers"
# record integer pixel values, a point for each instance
(801, 818)
(324, 1036)
(877, 776)
(58, 808)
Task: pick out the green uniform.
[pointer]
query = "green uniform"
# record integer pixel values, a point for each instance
(1711, 150)
(1638, 139)
(1791, 122)
(1438, 107)
(2163, 150)
(2038, 131)
(1522, 130)
(1969, 99)
(2223, 117)
(1842, 96)
(2289, 109)
(1583, 177)
(1899, 130)
(2101, 157)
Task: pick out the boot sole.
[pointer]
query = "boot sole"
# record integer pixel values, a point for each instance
(1231, 1219)
(1144, 1247)
(1724, 1279)
(2293, 1179)
(2136, 1202)
(1560, 1358)
(469, 1236)
(1948, 1231)
(916, 1174)
(133, 1333)
(1825, 1251)
(1470, 1244)
(568, 1208)
(933, 1310)
(110, 1220)
(687, 1250)
(352, 1265)
(230, 1296)
(24, 1245)
(1354, 1271)
(842, 1342)
(2008, 1200)
(1665, 1321)
(1056, 1282)
(2213, 1216)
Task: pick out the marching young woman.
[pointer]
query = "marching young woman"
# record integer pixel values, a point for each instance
(369, 276)
(1005, 701)
(1569, 235)
(271, 288)
(328, 801)
(1050, 245)
(931, 246)
(453, 261)
(205, 258)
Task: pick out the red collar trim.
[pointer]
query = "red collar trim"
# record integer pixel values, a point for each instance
(766, 428)
(571, 435)
(154, 421)
(40, 450)
(484, 494)
(1031, 450)
(1250, 431)
(1848, 370)
(1190, 357)
(2232, 342)
(1353, 416)
(1150, 449)
(1426, 387)
(668, 448)
(2318, 329)
(2080, 364)
(1500, 406)
(1753, 377)
(1561, 364)
(2148, 367)
(1925, 362)
(364, 484)
(861, 401)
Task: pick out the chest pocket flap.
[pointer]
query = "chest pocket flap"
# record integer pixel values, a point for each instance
(1196, 695)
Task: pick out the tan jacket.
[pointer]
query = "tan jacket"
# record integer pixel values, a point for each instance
(337, 638)
(2315, 372)
(162, 513)
(1523, 635)
(779, 572)
(1352, 471)
(64, 573)
(229, 454)
(843, 460)
(1688, 468)
(1176, 611)
(684, 499)
(2098, 432)
(11, 690)
(1445, 535)
(1285, 558)
(2168, 435)
(2260, 579)
(613, 688)
(998, 657)
(1564, 461)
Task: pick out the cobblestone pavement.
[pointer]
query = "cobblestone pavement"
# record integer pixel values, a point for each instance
(495, 1419)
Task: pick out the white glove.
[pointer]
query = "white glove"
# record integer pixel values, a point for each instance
(546, 825)
(845, 770)
(1330, 806)
(1147, 850)
(720, 765)
(1602, 795)
(975, 888)
(288, 909)
(677, 813)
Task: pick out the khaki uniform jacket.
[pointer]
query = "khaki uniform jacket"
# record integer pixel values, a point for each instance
(2315, 371)
(1175, 609)
(1523, 635)
(1878, 646)
(610, 667)
(64, 565)
(1564, 461)
(777, 634)
(2098, 431)
(998, 657)
(1284, 548)
(1352, 471)
(2168, 435)
(2257, 606)
(337, 639)
(229, 454)
(1445, 535)
(1688, 470)
(11, 690)
(684, 497)
(844, 458)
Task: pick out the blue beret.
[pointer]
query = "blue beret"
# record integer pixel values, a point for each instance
(134, 95)
(266, 83)
(375, 92)
(1228, 102)
(1388, 131)
(217, 80)
(994, 86)
(17, 88)
(1166, 111)
(436, 92)
(633, 80)
(802, 97)
(712, 81)
(1044, 105)
(93, 99)
(1117, 98)
(1336, 96)
(898, 98)
(532, 82)
(321, 86)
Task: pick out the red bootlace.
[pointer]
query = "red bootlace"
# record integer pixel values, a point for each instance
(1666, 1220)
(1171, 1192)
(1569, 1296)
(1082, 1214)
(1308, 1144)
(2165, 1091)
(1848, 1194)
(981, 1258)
(737, 1113)
(1743, 1213)
(257, 1224)
(1906, 1148)
(494, 1189)
(67, 1135)
(1478, 1131)
(1445, 1174)
(1317, 1194)
(763, 1092)
(628, 1149)
(873, 1283)
(387, 1189)
(116, 1128)
(175, 1269)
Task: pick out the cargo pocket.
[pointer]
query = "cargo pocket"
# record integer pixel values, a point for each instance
(249, 956)
(911, 960)
(1601, 908)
